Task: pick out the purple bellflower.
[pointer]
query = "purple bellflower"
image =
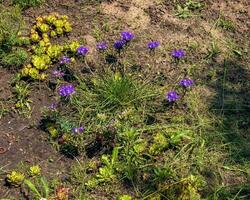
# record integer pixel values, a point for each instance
(66, 90)
(64, 60)
(77, 130)
(186, 82)
(102, 45)
(82, 50)
(178, 53)
(153, 45)
(58, 74)
(119, 44)
(172, 96)
(127, 36)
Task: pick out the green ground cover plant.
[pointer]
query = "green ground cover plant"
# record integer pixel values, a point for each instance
(11, 24)
(109, 113)
(127, 133)
(31, 180)
(28, 3)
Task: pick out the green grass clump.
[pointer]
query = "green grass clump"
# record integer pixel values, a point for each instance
(11, 23)
(185, 10)
(16, 58)
(39, 189)
(224, 23)
(28, 3)
(116, 90)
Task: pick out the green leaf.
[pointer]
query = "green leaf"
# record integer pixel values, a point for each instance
(45, 187)
(105, 160)
(32, 187)
(237, 52)
(114, 156)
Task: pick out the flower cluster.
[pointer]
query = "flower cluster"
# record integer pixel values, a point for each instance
(127, 36)
(66, 90)
(153, 45)
(64, 60)
(119, 44)
(78, 130)
(172, 96)
(178, 53)
(53, 106)
(44, 53)
(57, 74)
(82, 50)
(102, 45)
(186, 82)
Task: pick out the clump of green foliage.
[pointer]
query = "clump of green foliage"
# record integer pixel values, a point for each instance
(115, 91)
(133, 134)
(39, 188)
(185, 10)
(22, 100)
(224, 23)
(213, 50)
(156, 158)
(15, 178)
(28, 3)
(15, 58)
(35, 170)
(43, 52)
(125, 197)
(11, 23)
(35, 184)
(3, 109)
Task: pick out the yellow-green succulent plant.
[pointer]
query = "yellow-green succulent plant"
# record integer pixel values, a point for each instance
(43, 51)
(35, 37)
(44, 28)
(59, 31)
(73, 46)
(41, 62)
(15, 178)
(54, 51)
(35, 170)
(53, 33)
(58, 23)
(50, 19)
(53, 132)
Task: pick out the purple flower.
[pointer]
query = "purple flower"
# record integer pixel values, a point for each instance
(186, 82)
(82, 50)
(74, 130)
(58, 74)
(119, 44)
(78, 130)
(81, 129)
(172, 96)
(65, 60)
(178, 53)
(127, 36)
(153, 45)
(53, 106)
(66, 90)
(102, 45)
